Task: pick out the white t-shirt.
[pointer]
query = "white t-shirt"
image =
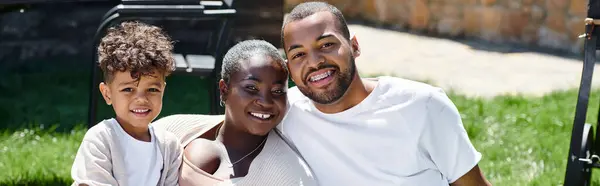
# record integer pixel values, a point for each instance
(403, 133)
(143, 160)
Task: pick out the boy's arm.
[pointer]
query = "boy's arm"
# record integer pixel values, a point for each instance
(172, 177)
(92, 165)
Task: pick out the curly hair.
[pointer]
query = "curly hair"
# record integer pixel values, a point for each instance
(136, 47)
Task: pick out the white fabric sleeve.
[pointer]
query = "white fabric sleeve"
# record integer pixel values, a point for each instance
(444, 139)
(92, 166)
(172, 172)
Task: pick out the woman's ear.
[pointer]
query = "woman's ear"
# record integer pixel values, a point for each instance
(223, 89)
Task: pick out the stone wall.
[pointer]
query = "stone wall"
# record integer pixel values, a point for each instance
(553, 24)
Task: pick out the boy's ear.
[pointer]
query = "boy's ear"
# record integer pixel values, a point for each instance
(105, 91)
(223, 89)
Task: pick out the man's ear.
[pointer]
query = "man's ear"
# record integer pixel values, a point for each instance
(355, 46)
(105, 91)
(223, 89)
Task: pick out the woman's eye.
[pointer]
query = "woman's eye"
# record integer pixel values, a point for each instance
(279, 92)
(252, 88)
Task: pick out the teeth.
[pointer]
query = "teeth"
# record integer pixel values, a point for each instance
(259, 115)
(320, 76)
(140, 110)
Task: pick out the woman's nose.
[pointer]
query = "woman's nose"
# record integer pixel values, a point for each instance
(266, 100)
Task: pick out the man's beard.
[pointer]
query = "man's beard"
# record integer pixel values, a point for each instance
(344, 79)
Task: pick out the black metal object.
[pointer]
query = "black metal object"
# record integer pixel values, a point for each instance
(594, 9)
(10, 2)
(583, 150)
(136, 9)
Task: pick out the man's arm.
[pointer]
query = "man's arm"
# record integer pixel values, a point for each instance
(472, 178)
(445, 141)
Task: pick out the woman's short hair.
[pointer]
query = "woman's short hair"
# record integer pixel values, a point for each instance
(245, 50)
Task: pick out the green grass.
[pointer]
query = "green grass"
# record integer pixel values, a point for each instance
(524, 140)
(37, 156)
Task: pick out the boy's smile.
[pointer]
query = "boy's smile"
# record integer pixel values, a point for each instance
(136, 103)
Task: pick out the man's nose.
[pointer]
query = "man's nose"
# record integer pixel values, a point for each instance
(315, 59)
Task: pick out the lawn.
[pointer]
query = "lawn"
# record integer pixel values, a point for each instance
(524, 140)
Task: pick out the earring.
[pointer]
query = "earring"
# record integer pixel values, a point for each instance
(222, 103)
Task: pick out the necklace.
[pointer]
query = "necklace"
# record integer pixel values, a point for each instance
(261, 143)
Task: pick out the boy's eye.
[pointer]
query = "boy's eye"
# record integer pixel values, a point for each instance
(127, 90)
(153, 90)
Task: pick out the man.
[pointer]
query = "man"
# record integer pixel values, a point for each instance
(354, 131)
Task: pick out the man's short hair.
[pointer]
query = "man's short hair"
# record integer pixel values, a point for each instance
(306, 9)
(245, 50)
(136, 47)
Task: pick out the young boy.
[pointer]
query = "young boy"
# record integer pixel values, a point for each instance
(135, 58)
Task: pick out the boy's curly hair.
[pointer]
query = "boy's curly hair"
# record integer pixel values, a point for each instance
(137, 47)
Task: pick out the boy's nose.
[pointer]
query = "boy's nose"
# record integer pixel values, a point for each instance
(141, 97)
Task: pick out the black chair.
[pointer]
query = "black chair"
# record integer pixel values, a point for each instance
(207, 64)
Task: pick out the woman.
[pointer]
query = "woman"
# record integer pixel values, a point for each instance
(241, 147)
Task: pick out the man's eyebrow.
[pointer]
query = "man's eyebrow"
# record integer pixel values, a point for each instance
(294, 47)
(324, 36)
(318, 38)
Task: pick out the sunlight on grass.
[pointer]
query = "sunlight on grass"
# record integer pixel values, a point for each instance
(524, 139)
(38, 156)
